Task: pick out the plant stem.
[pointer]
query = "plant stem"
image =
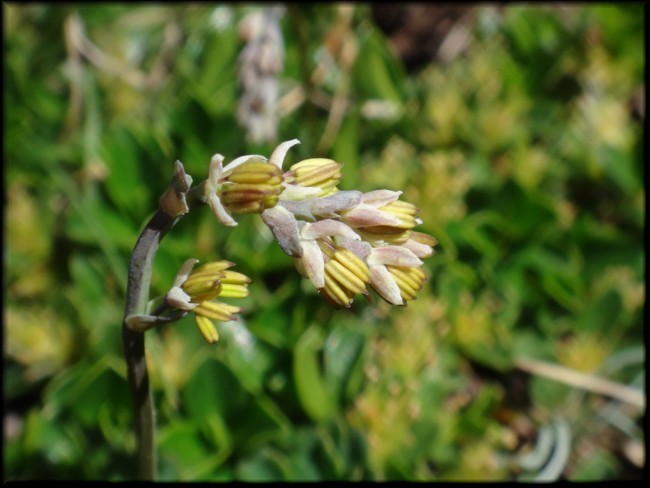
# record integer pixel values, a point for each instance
(582, 380)
(137, 295)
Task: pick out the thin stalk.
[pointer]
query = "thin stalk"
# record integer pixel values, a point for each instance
(137, 295)
(584, 381)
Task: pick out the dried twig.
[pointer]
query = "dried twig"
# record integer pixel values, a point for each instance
(583, 381)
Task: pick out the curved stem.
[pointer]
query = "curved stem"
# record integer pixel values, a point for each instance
(137, 292)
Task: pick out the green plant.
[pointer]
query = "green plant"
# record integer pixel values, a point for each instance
(523, 151)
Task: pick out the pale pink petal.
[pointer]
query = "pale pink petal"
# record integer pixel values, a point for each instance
(384, 284)
(379, 198)
(314, 263)
(364, 215)
(299, 209)
(284, 227)
(361, 249)
(328, 227)
(419, 249)
(394, 255)
(331, 205)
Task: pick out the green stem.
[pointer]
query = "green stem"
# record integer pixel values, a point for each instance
(137, 295)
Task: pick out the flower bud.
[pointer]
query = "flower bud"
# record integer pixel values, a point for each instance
(405, 212)
(409, 280)
(345, 275)
(382, 218)
(320, 173)
(248, 184)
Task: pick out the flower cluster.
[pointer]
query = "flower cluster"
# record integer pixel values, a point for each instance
(347, 241)
(344, 242)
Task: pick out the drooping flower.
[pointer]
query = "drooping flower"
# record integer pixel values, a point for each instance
(336, 272)
(196, 289)
(346, 275)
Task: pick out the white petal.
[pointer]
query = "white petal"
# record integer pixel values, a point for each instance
(297, 192)
(220, 211)
(280, 152)
(394, 255)
(241, 160)
(284, 227)
(216, 171)
(384, 284)
(177, 298)
(300, 209)
(379, 198)
(364, 215)
(360, 248)
(328, 227)
(331, 205)
(314, 263)
(184, 271)
(419, 249)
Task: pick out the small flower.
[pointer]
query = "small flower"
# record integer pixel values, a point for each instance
(196, 290)
(249, 184)
(251, 188)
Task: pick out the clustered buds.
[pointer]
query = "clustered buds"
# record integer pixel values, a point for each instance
(344, 242)
(347, 241)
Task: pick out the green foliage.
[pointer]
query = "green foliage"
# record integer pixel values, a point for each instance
(524, 153)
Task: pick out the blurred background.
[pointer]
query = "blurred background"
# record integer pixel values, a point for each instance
(516, 129)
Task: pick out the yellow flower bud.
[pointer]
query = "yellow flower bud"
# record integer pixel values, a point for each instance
(317, 173)
(409, 280)
(345, 276)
